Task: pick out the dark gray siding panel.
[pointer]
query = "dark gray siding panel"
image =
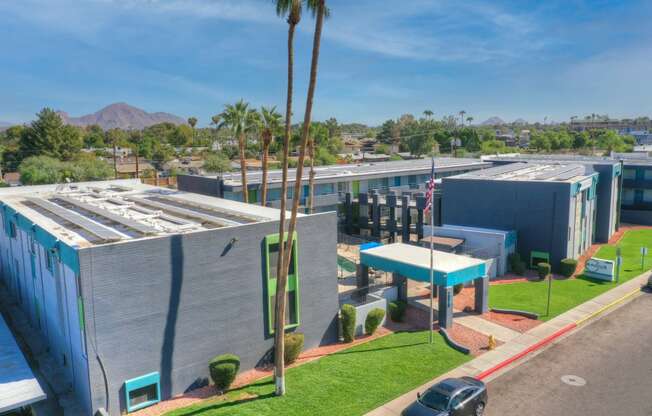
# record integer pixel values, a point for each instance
(199, 185)
(630, 216)
(170, 304)
(604, 212)
(539, 212)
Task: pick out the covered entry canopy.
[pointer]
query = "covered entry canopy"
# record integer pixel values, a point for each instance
(18, 386)
(413, 262)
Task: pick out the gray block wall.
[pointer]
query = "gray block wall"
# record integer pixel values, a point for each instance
(538, 211)
(606, 210)
(632, 216)
(170, 304)
(200, 185)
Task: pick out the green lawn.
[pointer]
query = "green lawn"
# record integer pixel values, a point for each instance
(566, 294)
(351, 382)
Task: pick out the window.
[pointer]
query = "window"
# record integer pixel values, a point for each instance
(292, 311)
(628, 196)
(142, 391)
(32, 245)
(629, 173)
(12, 229)
(648, 174)
(49, 261)
(647, 195)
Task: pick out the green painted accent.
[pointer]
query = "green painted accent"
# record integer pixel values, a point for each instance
(292, 282)
(80, 313)
(355, 186)
(140, 382)
(346, 264)
(253, 196)
(538, 255)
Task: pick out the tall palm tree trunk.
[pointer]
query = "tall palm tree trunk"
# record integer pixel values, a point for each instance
(302, 155)
(281, 284)
(115, 160)
(137, 166)
(243, 168)
(311, 178)
(263, 194)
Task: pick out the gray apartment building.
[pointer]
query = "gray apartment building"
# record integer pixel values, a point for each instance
(134, 288)
(332, 183)
(552, 207)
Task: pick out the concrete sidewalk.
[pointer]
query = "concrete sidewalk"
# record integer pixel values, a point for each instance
(516, 345)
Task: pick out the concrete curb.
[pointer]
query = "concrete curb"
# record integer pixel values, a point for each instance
(454, 345)
(525, 314)
(607, 307)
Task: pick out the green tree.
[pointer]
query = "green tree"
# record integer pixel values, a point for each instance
(48, 136)
(39, 170)
(540, 141)
(86, 168)
(241, 120)
(216, 162)
(270, 120)
(193, 122)
(93, 137)
(181, 136)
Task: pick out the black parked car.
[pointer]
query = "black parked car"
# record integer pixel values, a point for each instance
(464, 396)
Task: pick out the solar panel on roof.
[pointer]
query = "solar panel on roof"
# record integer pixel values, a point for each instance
(493, 172)
(556, 171)
(223, 213)
(183, 211)
(98, 230)
(571, 174)
(127, 222)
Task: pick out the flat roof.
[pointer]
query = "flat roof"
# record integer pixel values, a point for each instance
(536, 172)
(18, 386)
(632, 158)
(357, 170)
(90, 213)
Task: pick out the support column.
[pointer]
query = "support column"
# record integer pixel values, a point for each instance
(421, 205)
(405, 218)
(445, 302)
(391, 223)
(348, 212)
(401, 283)
(363, 213)
(375, 214)
(362, 280)
(481, 294)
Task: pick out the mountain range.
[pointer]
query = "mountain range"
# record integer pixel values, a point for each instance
(121, 115)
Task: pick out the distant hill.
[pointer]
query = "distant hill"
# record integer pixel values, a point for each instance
(123, 116)
(520, 121)
(5, 125)
(493, 121)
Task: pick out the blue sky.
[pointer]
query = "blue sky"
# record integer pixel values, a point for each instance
(380, 58)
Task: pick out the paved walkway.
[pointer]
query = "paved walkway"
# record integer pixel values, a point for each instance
(516, 345)
(487, 327)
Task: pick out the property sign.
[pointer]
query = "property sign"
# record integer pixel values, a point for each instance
(644, 251)
(600, 269)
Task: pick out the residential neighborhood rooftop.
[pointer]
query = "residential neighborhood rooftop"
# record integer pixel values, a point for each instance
(85, 214)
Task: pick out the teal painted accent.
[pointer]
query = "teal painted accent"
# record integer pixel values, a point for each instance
(510, 239)
(397, 181)
(367, 246)
(618, 170)
(140, 382)
(575, 188)
(593, 190)
(422, 274)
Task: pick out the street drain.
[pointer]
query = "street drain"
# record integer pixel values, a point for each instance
(572, 380)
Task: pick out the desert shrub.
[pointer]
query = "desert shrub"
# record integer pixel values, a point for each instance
(457, 289)
(373, 320)
(348, 323)
(397, 310)
(293, 347)
(543, 269)
(223, 370)
(567, 267)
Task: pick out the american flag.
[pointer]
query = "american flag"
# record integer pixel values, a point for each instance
(431, 187)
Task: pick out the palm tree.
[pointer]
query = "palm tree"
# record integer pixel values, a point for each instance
(428, 114)
(193, 122)
(292, 10)
(320, 11)
(469, 120)
(270, 121)
(462, 113)
(311, 175)
(215, 121)
(241, 120)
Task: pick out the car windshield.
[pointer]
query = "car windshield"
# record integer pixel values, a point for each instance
(435, 400)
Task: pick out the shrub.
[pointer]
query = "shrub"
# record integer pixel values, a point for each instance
(293, 347)
(348, 323)
(543, 269)
(516, 265)
(373, 320)
(567, 267)
(457, 289)
(223, 370)
(397, 310)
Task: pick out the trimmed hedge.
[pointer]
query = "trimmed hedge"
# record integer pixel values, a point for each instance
(543, 269)
(373, 320)
(348, 323)
(516, 265)
(293, 347)
(567, 267)
(457, 289)
(397, 310)
(223, 370)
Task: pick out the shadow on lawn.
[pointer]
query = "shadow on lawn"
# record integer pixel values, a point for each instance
(235, 402)
(414, 344)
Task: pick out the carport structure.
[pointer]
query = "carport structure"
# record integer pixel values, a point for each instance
(408, 261)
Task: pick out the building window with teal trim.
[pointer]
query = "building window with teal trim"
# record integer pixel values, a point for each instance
(292, 302)
(142, 391)
(12, 229)
(49, 261)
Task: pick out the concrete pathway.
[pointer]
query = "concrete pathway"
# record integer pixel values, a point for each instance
(516, 345)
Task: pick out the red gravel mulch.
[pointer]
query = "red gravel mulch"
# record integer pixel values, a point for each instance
(517, 323)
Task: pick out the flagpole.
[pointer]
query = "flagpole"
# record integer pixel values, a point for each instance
(432, 257)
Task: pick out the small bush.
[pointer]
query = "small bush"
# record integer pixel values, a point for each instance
(543, 269)
(516, 265)
(373, 320)
(457, 289)
(567, 267)
(397, 310)
(223, 370)
(293, 347)
(348, 323)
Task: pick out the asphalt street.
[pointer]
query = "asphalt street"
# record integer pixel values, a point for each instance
(608, 363)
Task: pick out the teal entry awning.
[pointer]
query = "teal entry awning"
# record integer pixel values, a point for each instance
(413, 262)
